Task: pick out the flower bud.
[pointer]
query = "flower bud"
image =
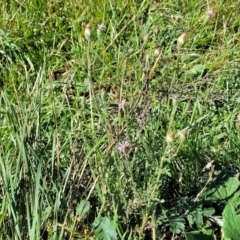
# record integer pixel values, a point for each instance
(146, 37)
(182, 39)
(238, 121)
(170, 137)
(174, 98)
(87, 32)
(156, 30)
(157, 51)
(183, 134)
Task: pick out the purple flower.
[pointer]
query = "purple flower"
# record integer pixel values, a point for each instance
(210, 13)
(174, 96)
(122, 146)
(121, 104)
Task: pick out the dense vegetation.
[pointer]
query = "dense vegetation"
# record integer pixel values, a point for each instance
(119, 119)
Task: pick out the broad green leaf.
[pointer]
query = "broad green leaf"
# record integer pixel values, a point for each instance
(235, 199)
(83, 208)
(190, 220)
(104, 229)
(195, 71)
(208, 211)
(196, 216)
(199, 235)
(231, 223)
(177, 224)
(222, 187)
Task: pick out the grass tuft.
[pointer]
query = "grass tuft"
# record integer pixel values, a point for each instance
(110, 111)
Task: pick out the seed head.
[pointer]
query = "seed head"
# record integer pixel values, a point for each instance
(182, 39)
(101, 28)
(208, 166)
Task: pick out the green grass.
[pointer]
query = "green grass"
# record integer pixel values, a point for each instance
(61, 174)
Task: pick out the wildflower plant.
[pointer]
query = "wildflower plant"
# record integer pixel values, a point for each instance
(123, 146)
(68, 168)
(121, 104)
